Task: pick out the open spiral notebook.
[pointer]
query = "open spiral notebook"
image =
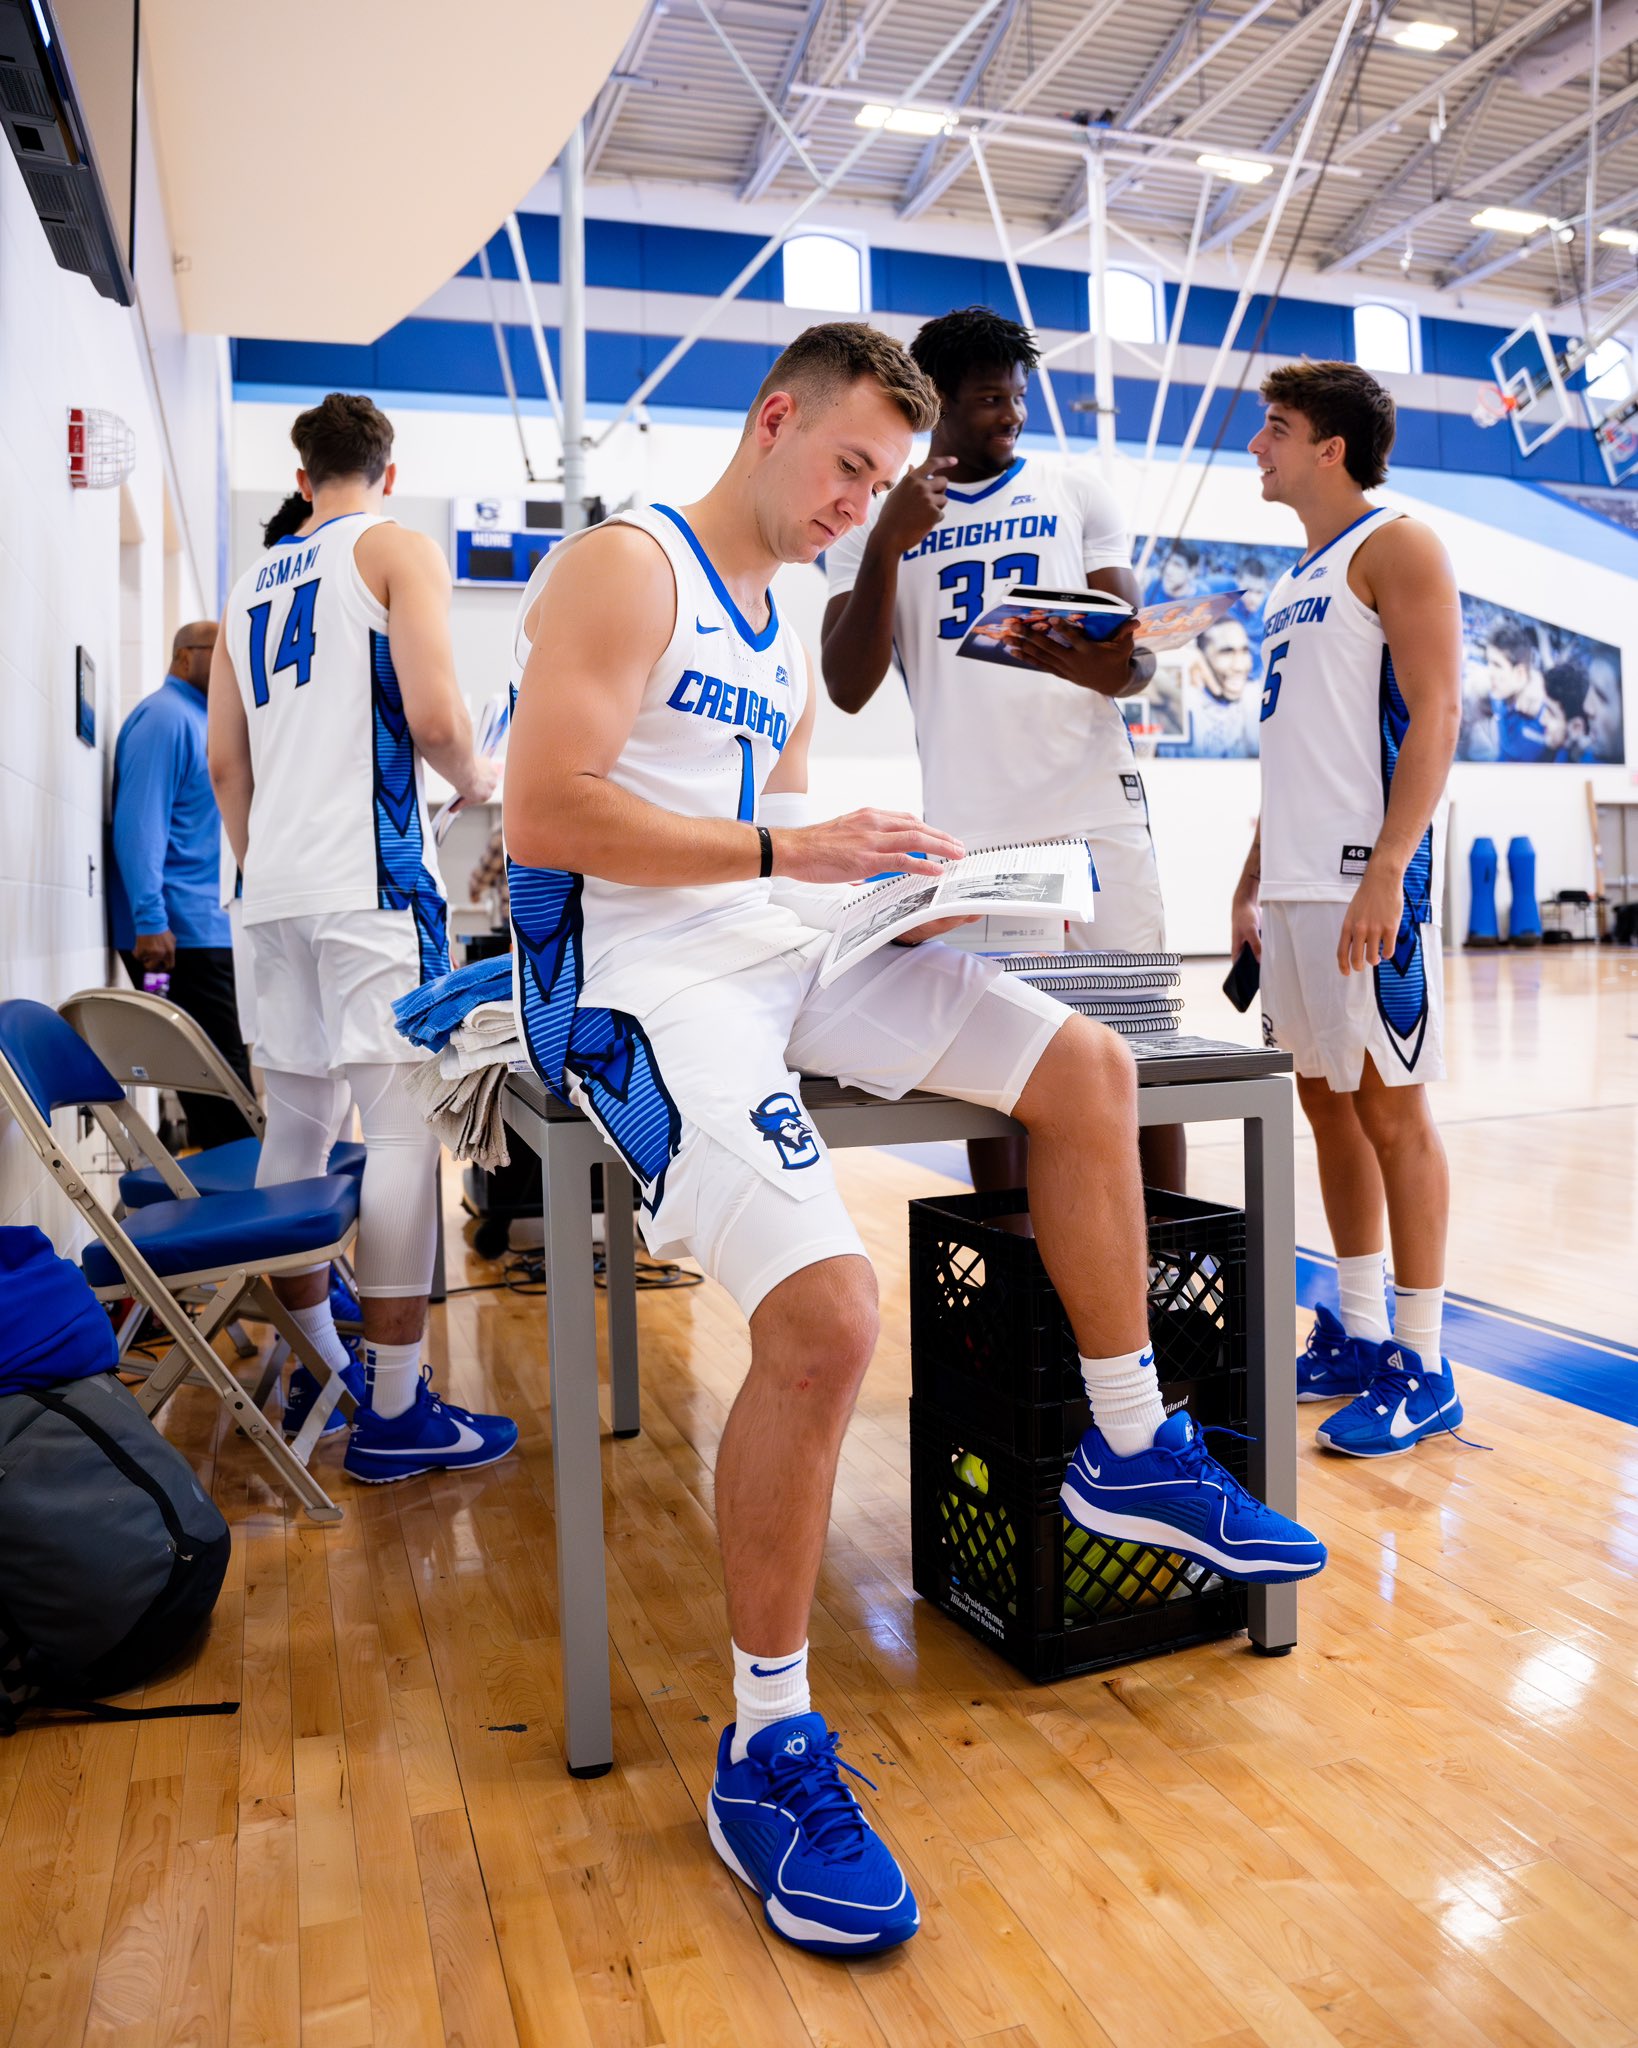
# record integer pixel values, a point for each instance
(1051, 881)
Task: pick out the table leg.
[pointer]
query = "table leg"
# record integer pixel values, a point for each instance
(567, 1156)
(1271, 1314)
(620, 1270)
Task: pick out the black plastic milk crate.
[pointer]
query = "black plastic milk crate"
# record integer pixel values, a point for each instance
(991, 1346)
(991, 1547)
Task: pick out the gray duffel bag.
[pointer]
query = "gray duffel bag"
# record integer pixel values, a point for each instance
(111, 1553)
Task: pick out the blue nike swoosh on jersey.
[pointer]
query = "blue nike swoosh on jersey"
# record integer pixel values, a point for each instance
(758, 1672)
(701, 627)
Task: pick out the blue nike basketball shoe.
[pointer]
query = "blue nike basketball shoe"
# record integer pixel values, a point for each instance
(431, 1435)
(303, 1390)
(1176, 1496)
(1332, 1364)
(1402, 1405)
(785, 1824)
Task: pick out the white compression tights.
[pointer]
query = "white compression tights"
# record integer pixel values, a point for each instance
(397, 1220)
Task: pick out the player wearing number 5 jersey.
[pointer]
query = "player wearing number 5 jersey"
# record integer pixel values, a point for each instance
(333, 681)
(1361, 704)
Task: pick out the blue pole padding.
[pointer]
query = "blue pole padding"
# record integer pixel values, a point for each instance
(1482, 928)
(1524, 914)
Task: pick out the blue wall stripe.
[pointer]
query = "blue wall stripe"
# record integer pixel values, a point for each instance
(456, 358)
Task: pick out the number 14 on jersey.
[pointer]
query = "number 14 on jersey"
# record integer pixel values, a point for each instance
(296, 642)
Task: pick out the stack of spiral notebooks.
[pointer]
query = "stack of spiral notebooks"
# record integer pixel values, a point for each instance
(1135, 994)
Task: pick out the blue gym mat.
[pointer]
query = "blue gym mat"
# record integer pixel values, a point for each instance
(1589, 1372)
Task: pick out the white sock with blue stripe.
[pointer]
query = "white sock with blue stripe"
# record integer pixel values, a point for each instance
(1125, 1397)
(766, 1690)
(1418, 1323)
(393, 1372)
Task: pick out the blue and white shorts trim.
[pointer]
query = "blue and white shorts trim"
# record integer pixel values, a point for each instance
(736, 1176)
(1328, 1021)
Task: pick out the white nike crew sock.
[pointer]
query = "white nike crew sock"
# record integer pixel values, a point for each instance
(766, 1690)
(1418, 1316)
(393, 1372)
(1125, 1397)
(318, 1326)
(1362, 1297)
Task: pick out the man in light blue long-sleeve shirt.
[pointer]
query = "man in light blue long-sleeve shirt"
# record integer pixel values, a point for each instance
(164, 894)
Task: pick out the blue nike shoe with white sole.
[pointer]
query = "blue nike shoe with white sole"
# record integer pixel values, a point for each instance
(1176, 1496)
(1333, 1365)
(1403, 1404)
(431, 1435)
(785, 1824)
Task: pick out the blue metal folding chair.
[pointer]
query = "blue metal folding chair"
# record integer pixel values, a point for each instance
(228, 1243)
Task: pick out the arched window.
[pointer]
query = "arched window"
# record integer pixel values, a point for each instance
(1384, 339)
(824, 273)
(1609, 372)
(1130, 298)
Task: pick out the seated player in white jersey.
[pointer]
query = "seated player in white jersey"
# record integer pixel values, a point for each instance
(670, 905)
(1361, 704)
(1004, 755)
(333, 681)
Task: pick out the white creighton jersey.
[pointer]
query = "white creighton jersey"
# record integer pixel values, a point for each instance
(1006, 753)
(1332, 725)
(338, 820)
(716, 711)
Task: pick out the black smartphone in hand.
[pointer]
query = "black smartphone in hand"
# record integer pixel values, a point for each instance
(1244, 979)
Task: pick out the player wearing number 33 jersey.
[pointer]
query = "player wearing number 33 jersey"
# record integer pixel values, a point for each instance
(1006, 752)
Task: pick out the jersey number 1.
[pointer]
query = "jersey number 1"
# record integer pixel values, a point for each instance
(295, 648)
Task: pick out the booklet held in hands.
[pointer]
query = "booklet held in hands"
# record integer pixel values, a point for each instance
(1050, 882)
(1006, 630)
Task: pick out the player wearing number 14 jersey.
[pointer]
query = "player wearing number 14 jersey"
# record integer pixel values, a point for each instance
(1361, 703)
(332, 681)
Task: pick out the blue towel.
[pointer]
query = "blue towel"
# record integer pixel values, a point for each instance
(54, 1328)
(431, 1015)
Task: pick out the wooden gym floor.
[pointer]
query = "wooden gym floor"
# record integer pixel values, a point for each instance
(1419, 1831)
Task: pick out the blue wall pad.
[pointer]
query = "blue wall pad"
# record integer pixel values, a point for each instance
(1588, 1372)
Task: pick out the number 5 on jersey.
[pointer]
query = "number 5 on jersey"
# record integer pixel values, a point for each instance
(1271, 682)
(295, 648)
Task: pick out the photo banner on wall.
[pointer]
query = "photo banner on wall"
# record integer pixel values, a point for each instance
(1532, 691)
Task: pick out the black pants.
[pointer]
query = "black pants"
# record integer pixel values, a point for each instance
(202, 984)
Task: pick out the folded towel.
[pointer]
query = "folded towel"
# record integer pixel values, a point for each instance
(428, 1015)
(465, 1112)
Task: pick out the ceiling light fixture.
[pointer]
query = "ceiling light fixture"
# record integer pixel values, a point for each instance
(1508, 220)
(901, 120)
(1422, 35)
(1243, 170)
(1619, 238)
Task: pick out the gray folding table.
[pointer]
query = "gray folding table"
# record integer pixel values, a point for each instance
(1203, 1086)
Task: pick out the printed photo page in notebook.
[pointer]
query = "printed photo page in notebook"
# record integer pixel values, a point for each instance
(1047, 883)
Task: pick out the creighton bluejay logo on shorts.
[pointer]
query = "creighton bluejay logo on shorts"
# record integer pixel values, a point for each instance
(781, 1121)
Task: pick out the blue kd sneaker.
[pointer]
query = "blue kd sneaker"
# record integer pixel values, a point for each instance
(430, 1436)
(302, 1392)
(1333, 1365)
(786, 1825)
(1176, 1496)
(1401, 1405)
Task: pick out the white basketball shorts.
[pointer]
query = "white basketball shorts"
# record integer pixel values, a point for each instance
(1328, 1021)
(701, 1096)
(325, 986)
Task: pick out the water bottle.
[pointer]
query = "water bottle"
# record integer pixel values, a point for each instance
(155, 982)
